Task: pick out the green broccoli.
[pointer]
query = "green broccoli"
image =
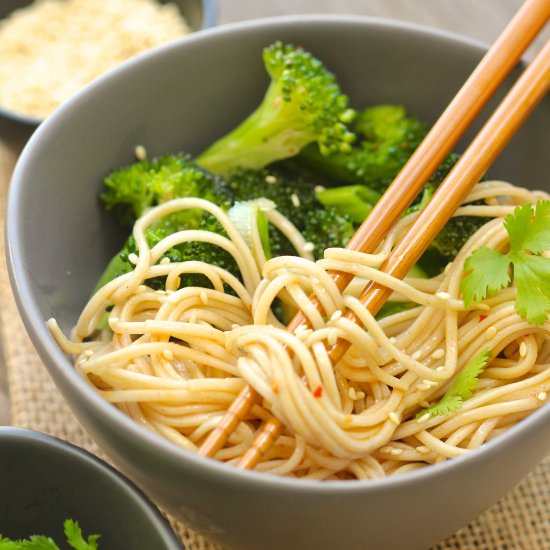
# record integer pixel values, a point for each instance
(457, 230)
(303, 104)
(194, 250)
(131, 190)
(386, 139)
(294, 196)
(355, 201)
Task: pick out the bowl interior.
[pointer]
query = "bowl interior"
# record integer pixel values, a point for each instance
(46, 481)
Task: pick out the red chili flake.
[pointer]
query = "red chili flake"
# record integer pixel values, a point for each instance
(318, 391)
(482, 317)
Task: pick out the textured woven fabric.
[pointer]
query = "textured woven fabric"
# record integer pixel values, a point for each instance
(520, 521)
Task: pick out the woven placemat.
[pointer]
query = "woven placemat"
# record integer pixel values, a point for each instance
(520, 521)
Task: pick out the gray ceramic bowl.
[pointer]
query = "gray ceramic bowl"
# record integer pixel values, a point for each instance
(199, 14)
(55, 225)
(45, 481)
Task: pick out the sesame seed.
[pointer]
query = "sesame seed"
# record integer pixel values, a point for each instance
(438, 354)
(360, 395)
(423, 418)
(523, 349)
(443, 295)
(429, 383)
(141, 288)
(113, 320)
(423, 450)
(424, 404)
(332, 338)
(233, 326)
(164, 261)
(392, 339)
(319, 189)
(88, 353)
(295, 200)
(416, 355)
(140, 152)
(541, 396)
(394, 418)
(308, 247)
(160, 292)
(271, 179)
(386, 449)
(491, 332)
(423, 387)
(203, 297)
(132, 258)
(352, 394)
(305, 332)
(336, 315)
(396, 452)
(168, 355)
(440, 369)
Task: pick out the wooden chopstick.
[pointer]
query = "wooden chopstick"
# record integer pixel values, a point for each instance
(481, 85)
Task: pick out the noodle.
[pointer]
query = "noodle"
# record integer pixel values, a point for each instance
(177, 358)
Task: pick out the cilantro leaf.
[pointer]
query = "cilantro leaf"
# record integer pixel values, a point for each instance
(75, 538)
(39, 542)
(7, 544)
(462, 388)
(529, 230)
(532, 276)
(36, 542)
(487, 272)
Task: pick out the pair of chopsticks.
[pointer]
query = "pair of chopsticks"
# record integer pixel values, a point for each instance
(520, 101)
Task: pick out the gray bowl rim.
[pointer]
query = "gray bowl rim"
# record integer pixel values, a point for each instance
(209, 19)
(120, 483)
(47, 347)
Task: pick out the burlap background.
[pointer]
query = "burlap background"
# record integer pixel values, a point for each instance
(520, 521)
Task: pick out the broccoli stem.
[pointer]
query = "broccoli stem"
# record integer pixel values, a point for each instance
(114, 268)
(355, 201)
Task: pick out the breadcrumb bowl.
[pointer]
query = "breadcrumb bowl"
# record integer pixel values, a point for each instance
(59, 240)
(51, 50)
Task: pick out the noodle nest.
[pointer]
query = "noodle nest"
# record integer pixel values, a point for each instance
(175, 359)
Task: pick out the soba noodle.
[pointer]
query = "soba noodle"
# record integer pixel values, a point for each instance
(175, 359)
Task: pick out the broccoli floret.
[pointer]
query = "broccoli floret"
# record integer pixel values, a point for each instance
(193, 250)
(456, 231)
(326, 228)
(454, 235)
(294, 196)
(133, 189)
(303, 104)
(386, 139)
